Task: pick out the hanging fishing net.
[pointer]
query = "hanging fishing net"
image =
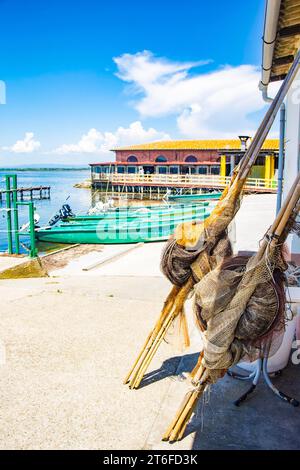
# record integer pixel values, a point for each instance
(196, 248)
(240, 307)
(238, 322)
(177, 261)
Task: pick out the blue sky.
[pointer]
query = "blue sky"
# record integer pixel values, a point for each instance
(84, 76)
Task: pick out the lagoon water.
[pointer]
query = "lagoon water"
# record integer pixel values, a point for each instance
(62, 187)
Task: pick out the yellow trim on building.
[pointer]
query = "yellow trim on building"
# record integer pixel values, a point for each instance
(223, 165)
(269, 169)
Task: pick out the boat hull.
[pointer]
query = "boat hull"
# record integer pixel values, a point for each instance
(110, 234)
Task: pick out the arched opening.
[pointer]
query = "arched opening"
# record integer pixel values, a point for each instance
(161, 159)
(132, 159)
(191, 159)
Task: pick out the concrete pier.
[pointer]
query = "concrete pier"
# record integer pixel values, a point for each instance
(68, 340)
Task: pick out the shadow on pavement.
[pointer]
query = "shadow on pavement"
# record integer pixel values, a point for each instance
(263, 421)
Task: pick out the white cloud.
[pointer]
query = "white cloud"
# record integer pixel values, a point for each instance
(27, 145)
(144, 69)
(96, 142)
(88, 143)
(214, 104)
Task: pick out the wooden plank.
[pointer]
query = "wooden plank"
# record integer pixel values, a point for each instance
(114, 257)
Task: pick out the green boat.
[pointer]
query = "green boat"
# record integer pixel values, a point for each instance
(176, 212)
(195, 197)
(119, 232)
(139, 212)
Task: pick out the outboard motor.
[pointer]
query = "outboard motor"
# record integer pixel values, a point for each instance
(62, 214)
(66, 211)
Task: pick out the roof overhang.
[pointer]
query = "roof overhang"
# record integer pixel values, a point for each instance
(281, 39)
(153, 163)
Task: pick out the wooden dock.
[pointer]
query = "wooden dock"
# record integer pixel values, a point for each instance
(157, 183)
(33, 192)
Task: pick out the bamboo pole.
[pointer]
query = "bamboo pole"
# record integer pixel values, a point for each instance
(157, 340)
(290, 208)
(138, 377)
(176, 417)
(196, 368)
(149, 353)
(167, 307)
(176, 430)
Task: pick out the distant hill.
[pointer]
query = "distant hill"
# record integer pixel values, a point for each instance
(47, 167)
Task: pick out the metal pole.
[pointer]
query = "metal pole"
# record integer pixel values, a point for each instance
(33, 252)
(15, 213)
(280, 157)
(8, 215)
(232, 163)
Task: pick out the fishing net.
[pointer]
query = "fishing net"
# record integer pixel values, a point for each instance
(196, 248)
(179, 263)
(239, 307)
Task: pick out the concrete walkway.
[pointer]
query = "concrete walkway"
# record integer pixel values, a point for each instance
(67, 341)
(68, 344)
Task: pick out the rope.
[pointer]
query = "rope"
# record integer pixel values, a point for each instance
(10, 231)
(26, 248)
(269, 266)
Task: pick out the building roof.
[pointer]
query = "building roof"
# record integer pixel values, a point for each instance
(229, 144)
(281, 39)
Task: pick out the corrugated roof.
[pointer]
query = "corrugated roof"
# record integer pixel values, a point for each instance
(288, 38)
(231, 144)
(287, 41)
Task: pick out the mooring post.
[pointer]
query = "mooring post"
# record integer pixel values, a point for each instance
(15, 212)
(33, 252)
(31, 208)
(8, 215)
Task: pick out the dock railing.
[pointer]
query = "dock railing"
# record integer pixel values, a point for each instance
(208, 181)
(33, 192)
